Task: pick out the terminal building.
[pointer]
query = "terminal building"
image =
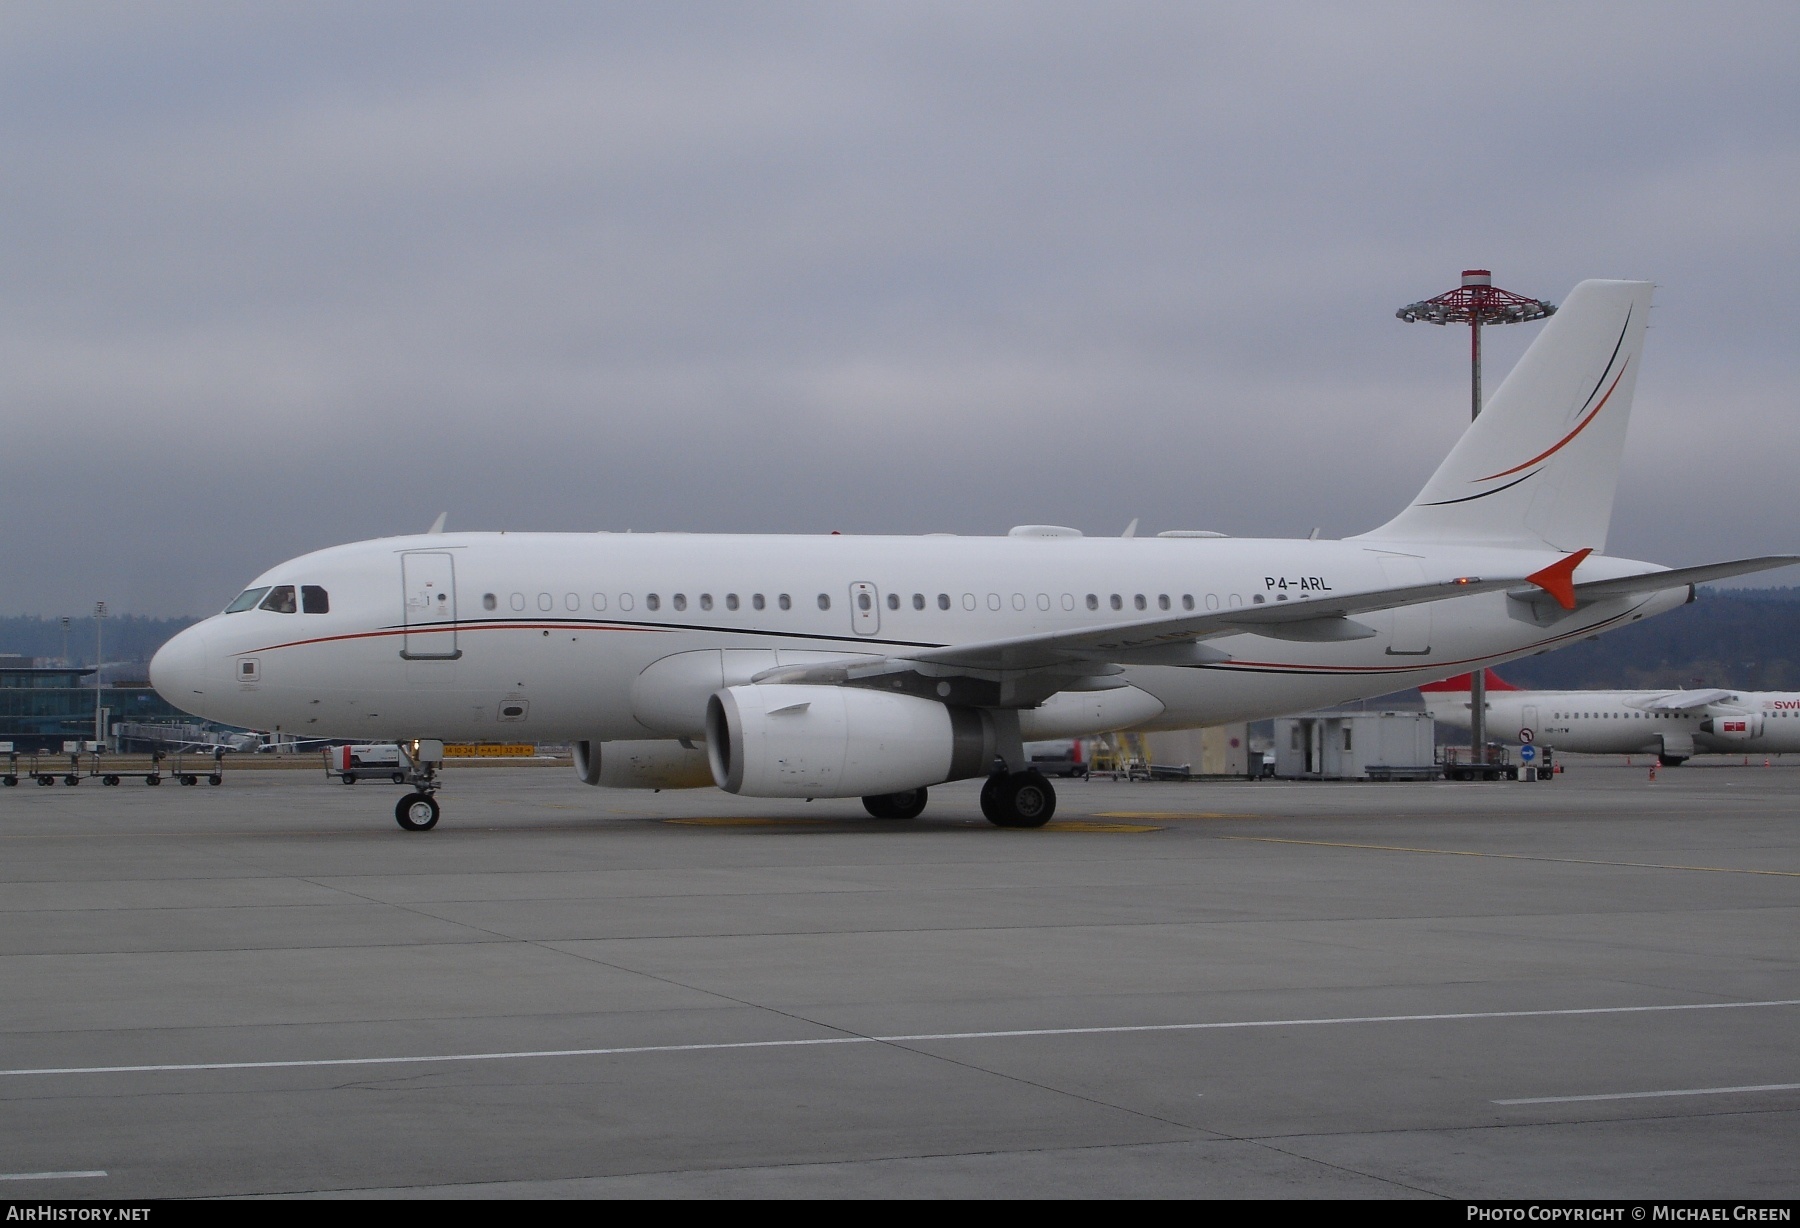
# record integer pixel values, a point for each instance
(44, 706)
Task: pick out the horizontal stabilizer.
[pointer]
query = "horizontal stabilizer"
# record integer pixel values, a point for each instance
(1662, 581)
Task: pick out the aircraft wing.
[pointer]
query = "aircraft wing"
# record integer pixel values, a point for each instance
(1174, 640)
(1658, 581)
(1684, 701)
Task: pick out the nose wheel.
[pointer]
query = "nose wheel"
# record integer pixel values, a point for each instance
(1018, 799)
(417, 812)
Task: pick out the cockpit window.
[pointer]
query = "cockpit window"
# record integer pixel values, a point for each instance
(314, 600)
(280, 600)
(246, 600)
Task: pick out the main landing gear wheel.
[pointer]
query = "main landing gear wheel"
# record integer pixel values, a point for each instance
(907, 805)
(1018, 799)
(417, 812)
(1671, 760)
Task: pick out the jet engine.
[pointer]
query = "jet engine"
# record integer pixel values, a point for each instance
(642, 765)
(1733, 726)
(796, 740)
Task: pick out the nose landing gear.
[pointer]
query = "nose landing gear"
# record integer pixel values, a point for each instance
(417, 812)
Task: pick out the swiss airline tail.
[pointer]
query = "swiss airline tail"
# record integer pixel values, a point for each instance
(1461, 683)
(1539, 466)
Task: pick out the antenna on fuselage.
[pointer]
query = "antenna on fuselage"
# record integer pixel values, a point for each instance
(437, 526)
(1130, 529)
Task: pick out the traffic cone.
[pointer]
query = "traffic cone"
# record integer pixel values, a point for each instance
(1765, 761)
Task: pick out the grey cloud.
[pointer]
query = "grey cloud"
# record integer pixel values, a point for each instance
(276, 278)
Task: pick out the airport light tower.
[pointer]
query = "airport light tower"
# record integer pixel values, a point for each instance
(99, 660)
(1476, 302)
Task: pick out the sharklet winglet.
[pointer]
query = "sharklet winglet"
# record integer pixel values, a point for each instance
(1558, 578)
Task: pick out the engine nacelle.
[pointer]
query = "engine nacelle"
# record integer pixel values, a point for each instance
(1733, 726)
(642, 765)
(784, 740)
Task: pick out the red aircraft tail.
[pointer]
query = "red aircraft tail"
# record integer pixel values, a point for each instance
(1461, 683)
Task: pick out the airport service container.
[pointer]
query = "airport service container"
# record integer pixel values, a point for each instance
(1356, 746)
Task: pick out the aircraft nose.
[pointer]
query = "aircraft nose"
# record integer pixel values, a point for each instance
(178, 670)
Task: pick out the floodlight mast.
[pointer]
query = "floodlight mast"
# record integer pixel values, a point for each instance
(1476, 302)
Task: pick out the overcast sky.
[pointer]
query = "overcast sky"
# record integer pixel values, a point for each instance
(281, 276)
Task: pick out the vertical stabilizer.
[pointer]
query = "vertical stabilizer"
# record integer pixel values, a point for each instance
(1540, 465)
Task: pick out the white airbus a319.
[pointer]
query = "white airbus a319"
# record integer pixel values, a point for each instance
(876, 667)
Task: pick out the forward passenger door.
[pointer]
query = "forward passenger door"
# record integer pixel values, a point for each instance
(428, 579)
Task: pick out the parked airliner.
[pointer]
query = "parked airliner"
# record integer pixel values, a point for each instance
(876, 667)
(1673, 725)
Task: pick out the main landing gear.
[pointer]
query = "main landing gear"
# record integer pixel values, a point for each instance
(1018, 799)
(907, 805)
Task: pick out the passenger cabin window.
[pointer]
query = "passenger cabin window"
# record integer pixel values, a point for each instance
(919, 601)
(246, 600)
(1187, 601)
(1138, 601)
(943, 601)
(680, 601)
(652, 602)
(1118, 602)
(315, 600)
(756, 601)
(489, 601)
(280, 600)
(824, 601)
(706, 601)
(785, 602)
(1162, 601)
(518, 601)
(731, 601)
(893, 601)
(1093, 601)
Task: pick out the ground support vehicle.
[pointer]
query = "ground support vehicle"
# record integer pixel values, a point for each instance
(369, 761)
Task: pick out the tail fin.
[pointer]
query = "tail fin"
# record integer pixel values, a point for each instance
(1539, 466)
(1460, 684)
